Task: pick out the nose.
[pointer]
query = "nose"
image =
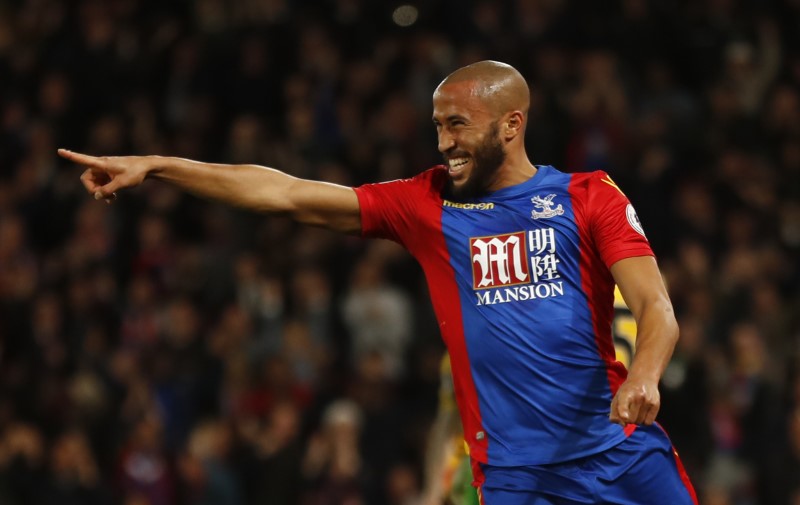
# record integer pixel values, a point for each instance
(446, 141)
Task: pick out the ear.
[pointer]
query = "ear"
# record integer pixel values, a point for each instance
(513, 125)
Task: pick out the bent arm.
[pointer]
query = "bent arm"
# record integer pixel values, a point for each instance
(638, 401)
(643, 289)
(252, 187)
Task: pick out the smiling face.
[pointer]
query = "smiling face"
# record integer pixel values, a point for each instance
(469, 139)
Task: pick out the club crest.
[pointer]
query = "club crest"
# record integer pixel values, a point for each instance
(546, 205)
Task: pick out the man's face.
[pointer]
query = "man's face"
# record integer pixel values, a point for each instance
(468, 139)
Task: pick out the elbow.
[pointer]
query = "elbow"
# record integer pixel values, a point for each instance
(660, 317)
(670, 324)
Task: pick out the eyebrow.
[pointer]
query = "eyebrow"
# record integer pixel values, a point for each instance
(450, 118)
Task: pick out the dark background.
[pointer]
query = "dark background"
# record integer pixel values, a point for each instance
(165, 350)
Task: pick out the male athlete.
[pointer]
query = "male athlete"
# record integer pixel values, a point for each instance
(521, 262)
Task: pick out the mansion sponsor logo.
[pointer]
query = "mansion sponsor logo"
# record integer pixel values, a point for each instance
(520, 293)
(499, 260)
(515, 266)
(469, 206)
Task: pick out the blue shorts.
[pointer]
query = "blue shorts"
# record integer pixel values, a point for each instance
(643, 469)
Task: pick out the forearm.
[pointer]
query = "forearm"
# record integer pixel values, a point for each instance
(656, 337)
(251, 187)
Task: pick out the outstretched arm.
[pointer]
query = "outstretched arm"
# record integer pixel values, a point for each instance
(251, 187)
(637, 401)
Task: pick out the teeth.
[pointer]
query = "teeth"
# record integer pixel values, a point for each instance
(457, 162)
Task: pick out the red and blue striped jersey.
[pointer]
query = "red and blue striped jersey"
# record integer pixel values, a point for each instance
(522, 291)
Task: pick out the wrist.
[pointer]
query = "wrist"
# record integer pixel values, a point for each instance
(640, 375)
(154, 165)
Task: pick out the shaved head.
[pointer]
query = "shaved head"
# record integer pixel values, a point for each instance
(480, 112)
(500, 86)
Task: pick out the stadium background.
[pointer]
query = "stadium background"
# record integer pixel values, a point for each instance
(165, 350)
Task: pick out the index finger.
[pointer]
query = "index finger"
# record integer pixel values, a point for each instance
(81, 159)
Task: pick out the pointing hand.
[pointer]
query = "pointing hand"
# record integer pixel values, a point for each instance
(105, 175)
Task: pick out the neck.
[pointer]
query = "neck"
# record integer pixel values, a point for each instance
(516, 170)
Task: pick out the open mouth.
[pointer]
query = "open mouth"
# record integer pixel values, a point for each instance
(457, 165)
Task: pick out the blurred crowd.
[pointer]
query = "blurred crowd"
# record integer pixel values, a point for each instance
(164, 350)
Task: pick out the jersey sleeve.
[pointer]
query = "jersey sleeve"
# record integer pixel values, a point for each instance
(392, 210)
(614, 225)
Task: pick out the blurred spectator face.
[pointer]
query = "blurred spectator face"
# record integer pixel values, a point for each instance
(182, 323)
(88, 396)
(47, 316)
(154, 233)
(342, 422)
(695, 204)
(741, 267)
(363, 79)
(396, 122)
(246, 139)
(783, 109)
(107, 136)
(278, 374)
(372, 368)
(695, 259)
(72, 460)
(209, 441)
(740, 228)
(234, 329)
(551, 63)
(54, 94)
(487, 16)
(739, 60)
(715, 495)
(748, 349)
(137, 499)
(300, 124)
(141, 292)
(319, 53)
(147, 435)
(401, 485)
(723, 102)
(12, 237)
(692, 337)
(311, 289)
(26, 442)
(599, 68)
(284, 422)
(96, 23)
